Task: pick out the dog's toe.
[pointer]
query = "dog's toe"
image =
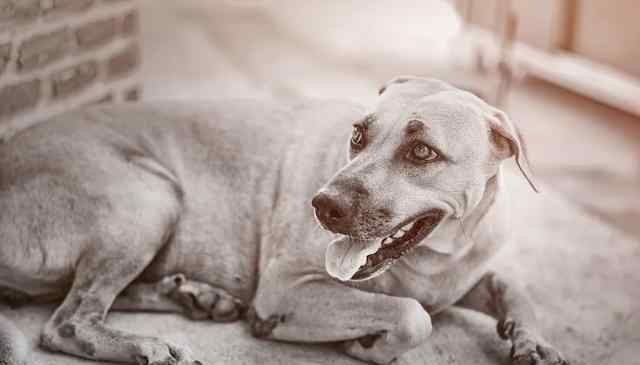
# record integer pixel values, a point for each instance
(202, 301)
(171, 283)
(225, 310)
(155, 352)
(531, 352)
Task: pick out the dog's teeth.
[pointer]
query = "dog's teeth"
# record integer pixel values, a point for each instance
(397, 235)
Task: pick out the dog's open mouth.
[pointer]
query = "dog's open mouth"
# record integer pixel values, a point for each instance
(398, 244)
(350, 260)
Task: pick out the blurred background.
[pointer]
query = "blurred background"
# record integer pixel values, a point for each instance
(566, 70)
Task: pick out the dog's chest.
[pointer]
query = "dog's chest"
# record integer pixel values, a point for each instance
(433, 281)
(435, 292)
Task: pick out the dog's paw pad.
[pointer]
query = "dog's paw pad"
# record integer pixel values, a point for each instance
(533, 353)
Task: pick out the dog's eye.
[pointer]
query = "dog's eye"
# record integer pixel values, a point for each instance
(422, 153)
(357, 137)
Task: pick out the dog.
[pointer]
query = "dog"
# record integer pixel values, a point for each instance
(208, 209)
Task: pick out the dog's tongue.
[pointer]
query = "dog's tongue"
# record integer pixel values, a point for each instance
(345, 255)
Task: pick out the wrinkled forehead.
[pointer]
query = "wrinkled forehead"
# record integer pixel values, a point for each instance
(450, 114)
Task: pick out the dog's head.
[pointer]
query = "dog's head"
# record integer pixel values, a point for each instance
(424, 155)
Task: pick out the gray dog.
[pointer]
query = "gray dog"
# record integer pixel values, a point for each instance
(205, 209)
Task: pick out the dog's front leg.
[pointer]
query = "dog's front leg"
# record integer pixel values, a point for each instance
(312, 308)
(501, 299)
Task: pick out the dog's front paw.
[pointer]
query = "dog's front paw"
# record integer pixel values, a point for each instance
(156, 352)
(529, 350)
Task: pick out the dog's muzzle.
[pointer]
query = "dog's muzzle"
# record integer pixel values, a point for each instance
(349, 259)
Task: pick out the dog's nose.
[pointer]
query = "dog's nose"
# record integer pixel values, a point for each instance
(333, 212)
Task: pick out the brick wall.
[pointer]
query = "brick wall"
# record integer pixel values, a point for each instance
(56, 55)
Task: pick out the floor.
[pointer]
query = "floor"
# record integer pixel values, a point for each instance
(586, 150)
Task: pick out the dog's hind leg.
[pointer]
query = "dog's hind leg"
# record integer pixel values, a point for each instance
(124, 239)
(78, 328)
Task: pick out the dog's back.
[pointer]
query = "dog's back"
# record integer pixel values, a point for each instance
(63, 180)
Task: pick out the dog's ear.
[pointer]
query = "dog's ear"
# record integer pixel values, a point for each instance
(507, 141)
(395, 80)
(427, 85)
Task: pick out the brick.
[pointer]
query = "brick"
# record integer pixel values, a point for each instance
(96, 33)
(43, 49)
(132, 94)
(18, 10)
(67, 6)
(130, 23)
(123, 62)
(19, 97)
(5, 56)
(73, 79)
